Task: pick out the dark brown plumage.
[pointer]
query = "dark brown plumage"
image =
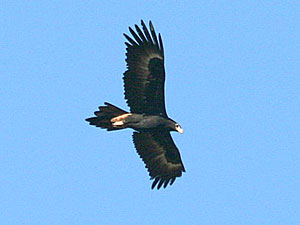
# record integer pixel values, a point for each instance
(144, 92)
(145, 75)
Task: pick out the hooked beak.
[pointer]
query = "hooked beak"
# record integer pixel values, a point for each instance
(179, 130)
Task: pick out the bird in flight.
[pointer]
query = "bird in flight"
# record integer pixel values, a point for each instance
(145, 95)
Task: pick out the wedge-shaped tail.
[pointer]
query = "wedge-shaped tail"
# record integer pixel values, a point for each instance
(105, 115)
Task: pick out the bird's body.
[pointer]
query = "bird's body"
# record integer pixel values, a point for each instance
(142, 122)
(144, 92)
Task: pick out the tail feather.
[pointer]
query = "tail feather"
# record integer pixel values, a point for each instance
(104, 115)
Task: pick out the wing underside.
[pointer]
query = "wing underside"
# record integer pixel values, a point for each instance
(145, 75)
(160, 155)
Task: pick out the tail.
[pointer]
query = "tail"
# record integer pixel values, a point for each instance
(104, 116)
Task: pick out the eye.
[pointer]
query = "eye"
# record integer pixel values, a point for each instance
(177, 126)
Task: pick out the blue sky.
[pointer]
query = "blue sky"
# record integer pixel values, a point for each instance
(233, 83)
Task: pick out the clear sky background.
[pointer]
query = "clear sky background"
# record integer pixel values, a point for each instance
(233, 83)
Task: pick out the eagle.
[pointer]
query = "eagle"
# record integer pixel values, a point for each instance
(145, 95)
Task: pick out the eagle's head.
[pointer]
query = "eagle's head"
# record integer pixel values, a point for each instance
(178, 128)
(174, 126)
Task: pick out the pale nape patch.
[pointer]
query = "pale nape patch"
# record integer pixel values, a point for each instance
(118, 121)
(119, 118)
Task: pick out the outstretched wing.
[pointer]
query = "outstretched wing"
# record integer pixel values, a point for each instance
(145, 76)
(160, 155)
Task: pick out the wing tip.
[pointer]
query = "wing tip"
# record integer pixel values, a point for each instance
(151, 25)
(145, 37)
(162, 182)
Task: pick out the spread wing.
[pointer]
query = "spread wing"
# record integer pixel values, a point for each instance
(160, 155)
(145, 76)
